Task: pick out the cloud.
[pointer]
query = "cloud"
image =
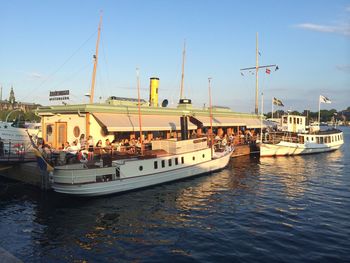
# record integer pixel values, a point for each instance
(345, 68)
(34, 75)
(337, 29)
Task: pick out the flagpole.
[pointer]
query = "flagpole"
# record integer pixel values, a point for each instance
(272, 110)
(319, 110)
(257, 77)
(261, 116)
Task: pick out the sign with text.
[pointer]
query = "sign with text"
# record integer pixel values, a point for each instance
(59, 95)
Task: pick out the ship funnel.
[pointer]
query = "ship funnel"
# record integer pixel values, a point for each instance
(153, 92)
(184, 127)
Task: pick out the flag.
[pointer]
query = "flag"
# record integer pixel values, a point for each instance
(268, 71)
(40, 159)
(42, 163)
(277, 68)
(242, 74)
(277, 102)
(259, 53)
(324, 99)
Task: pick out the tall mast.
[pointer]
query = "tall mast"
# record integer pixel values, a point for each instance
(257, 67)
(92, 91)
(139, 107)
(183, 70)
(257, 77)
(211, 118)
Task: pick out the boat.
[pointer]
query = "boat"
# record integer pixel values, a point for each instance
(16, 145)
(295, 139)
(168, 160)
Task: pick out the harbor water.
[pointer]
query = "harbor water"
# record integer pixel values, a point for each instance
(286, 209)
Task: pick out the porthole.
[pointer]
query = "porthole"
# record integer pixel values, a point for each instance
(203, 155)
(140, 167)
(193, 158)
(76, 131)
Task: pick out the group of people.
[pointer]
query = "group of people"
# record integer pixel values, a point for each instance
(86, 147)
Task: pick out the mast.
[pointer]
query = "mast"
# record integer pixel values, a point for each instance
(92, 91)
(261, 116)
(139, 107)
(257, 67)
(257, 76)
(319, 111)
(211, 118)
(183, 71)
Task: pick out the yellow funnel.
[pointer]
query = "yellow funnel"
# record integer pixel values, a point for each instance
(153, 92)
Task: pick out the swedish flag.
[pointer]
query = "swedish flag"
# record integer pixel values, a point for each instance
(42, 163)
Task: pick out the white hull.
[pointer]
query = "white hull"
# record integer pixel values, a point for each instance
(127, 184)
(12, 136)
(136, 182)
(288, 148)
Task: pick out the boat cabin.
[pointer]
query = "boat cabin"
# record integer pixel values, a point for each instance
(293, 123)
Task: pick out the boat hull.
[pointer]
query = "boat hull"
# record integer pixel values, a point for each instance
(137, 182)
(287, 149)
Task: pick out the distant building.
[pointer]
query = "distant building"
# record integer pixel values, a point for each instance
(12, 104)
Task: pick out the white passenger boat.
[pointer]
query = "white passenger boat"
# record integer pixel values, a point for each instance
(15, 144)
(294, 139)
(169, 160)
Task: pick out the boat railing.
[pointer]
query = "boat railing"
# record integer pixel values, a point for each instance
(15, 151)
(275, 138)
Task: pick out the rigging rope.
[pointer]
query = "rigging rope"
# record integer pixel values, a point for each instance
(30, 92)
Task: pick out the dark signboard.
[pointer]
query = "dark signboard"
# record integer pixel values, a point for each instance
(59, 95)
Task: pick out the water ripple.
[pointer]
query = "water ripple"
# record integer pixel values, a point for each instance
(293, 209)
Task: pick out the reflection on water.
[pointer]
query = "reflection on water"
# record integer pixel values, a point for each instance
(293, 208)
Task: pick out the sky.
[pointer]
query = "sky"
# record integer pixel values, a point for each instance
(49, 45)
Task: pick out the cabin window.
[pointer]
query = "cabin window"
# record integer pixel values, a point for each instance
(170, 162)
(49, 129)
(301, 121)
(321, 140)
(332, 138)
(155, 164)
(317, 139)
(203, 155)
(176, 161)
(163, 163)
(182, 160)
(329, 139)
(290, 120)
(285, 119)
(193, 158)
(312, 138)
(140, 167)
(297, 120)
(294, 120)
(307, 138)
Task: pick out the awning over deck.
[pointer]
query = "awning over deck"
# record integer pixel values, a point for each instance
(230, 121)
(130, 123)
